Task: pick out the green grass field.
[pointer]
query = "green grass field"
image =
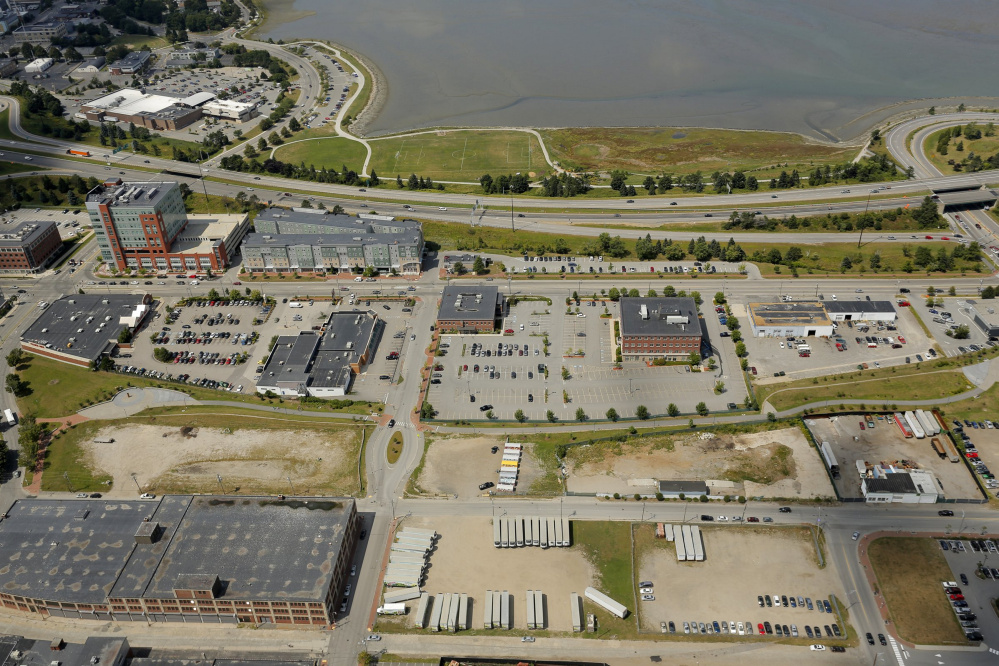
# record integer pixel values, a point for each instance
(136, 42)
(656, 149)
(332, 153)
(984, 147)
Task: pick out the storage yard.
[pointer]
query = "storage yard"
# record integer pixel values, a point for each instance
(886, 445)
(462, 562)
(458, 465)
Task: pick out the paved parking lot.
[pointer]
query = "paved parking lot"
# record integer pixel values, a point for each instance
(770, 355)
(594, 384)
(986, 444)
(340, 86)
(959, 310)
(885, 444)
(980, 590)
(608, 266)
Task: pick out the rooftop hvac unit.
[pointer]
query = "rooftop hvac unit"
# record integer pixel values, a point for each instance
(643, 311)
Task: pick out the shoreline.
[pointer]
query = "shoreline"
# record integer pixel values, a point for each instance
(860, 127)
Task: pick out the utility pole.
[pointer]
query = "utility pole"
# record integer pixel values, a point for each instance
(861, 237)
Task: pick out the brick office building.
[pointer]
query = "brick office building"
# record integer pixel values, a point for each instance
(470, 309)
(28, 247)
(660, 328)
(145, 225)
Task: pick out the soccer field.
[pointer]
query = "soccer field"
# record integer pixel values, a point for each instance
(458, 155)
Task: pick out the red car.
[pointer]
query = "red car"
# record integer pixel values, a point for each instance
(972, 454)
(762, 630)
(944, 238)
(862, 426)
(753, 369)
(901, 339)
(464, 368)
(957, 597)
(509, 330)
(237, 282)
(752, 519)
(929, 238)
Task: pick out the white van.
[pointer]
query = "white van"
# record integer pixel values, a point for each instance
(359, 279)
(294, 304)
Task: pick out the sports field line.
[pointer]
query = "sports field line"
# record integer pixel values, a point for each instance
(461, 167)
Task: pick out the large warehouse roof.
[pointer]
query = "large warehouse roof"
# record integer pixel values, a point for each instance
(789, 313)
(129, 101)
(85, 325)
(470, 302)
(659, 316)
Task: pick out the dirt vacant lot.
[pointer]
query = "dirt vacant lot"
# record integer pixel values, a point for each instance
(457, 465)
(775, 463)
(740, 563)
(466, 561)
(175, 459)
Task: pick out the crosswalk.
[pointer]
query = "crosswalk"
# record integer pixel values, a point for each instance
(895, 648)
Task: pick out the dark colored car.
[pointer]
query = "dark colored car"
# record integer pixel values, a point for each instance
(945, 512)
(769, 629)
(881, 639)
(484, 486)
(706, 518)
(838, 648)
(825, 602)
(785, 509)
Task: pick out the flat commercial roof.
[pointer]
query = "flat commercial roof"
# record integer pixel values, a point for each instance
(68, 550)
(847, 307)
(260, 547)
(348, 330)
(258, 239)
(197, 99)
(145, 194)
(469, 303)
(289, 360)
(129, 101)
(790, 313)
(660, 316)
(25, 233)
(83, 325)
(202, 232)
(899, 482)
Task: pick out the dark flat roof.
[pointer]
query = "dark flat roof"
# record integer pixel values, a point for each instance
(899, 482)
(143, 194)
(685, 487)
(858, 306)
(68, 550)
(664, 316)
(471, 302)
(290, 359)
(261, 547)
(68, 318)
(348, 330)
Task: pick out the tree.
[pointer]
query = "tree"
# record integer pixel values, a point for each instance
(520, 416)
(490, 415)
(673, 410)
(427, 411)
(15, 385)
(642, 412)
(458, 268)
(701, 409)
(960, 333)
(611, 414)
(550, 415)
(294, 125)
(478, 266)
(740, 349)
(720, 298)
(162, 354)
(15, 357)
(580, 414)
(719, 387)
(694, 358)
(565, 373)
(846, 264)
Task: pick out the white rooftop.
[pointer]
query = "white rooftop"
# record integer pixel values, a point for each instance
(130, 101)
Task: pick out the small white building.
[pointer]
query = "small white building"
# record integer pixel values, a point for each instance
(798, 318)
(900, 487)
(38, 65)
(228, 110)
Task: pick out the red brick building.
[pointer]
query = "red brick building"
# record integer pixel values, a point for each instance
(29, 246)
(660, 328)
(470, 309)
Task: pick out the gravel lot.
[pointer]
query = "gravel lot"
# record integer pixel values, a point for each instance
(457, 465)
(466, 561)
(608, 468)
(740, 562)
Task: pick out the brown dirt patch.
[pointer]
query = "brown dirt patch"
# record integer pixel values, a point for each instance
(457, 465)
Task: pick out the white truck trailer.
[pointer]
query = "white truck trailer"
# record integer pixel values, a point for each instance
(539, 609)
(497, 609)
(505, 610)
(504, 534)
(669, 531)
(452, 621)
(462, 623)
(422, 532)
(917, 428)
(487, 611)
(528, 531)
(532, 622)
(496, 533)
(681, 550)
(420, 619)
(435, 614)
(552, 535)
(605, 602)
(392, 609)
(543, 524)
(536, 531)
(399, 596)
(446, 611)
(929, 423)
(695, 537)
(518, 530)
(688, 542)
(566, 539)
(558, 532)
(576, 606)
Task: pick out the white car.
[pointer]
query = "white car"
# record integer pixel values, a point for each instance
(723, 519)
(646, 590)
(442, 208)
(817, 648)
(742, 629)
(856, 535)
(147, 496)
(527, 639)
(648, 597)
(374, 637)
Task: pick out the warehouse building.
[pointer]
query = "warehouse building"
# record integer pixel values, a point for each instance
(38, 65)
(911, 486)
(39, 33)
(316, 242)
(91, 65)
(860, 310)
(323, 364)
(145, 225)
(653, 328)
(786, 318)
(28, 247)
(171, 560)
(470, 309)
(81, 328)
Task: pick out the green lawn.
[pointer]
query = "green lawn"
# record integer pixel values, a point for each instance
(607, 546)
(654, 150)
(65, 469)
(331, 153)
(136, 42)
(984, 147)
